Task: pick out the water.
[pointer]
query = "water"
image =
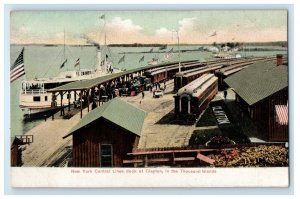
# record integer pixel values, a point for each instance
(45, 61)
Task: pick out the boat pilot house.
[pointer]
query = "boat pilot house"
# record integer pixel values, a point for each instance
(105, 135)
(262, 92)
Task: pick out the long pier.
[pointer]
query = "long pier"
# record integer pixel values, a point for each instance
(87, 88)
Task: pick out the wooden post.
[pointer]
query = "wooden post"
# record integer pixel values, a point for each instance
(99, 95)
(173, 159)
(61, 104)
(80, 103)
(53, 104)
(88, 99)
(146, 161)
(69, 101)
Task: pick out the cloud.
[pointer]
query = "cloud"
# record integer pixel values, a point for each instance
(163, 31)
(119, 30)
(25, 29)
(187, 31)
(190, 30)
(124, 25)
(187, 23)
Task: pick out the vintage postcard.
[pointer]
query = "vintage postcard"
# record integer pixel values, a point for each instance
(170, 98)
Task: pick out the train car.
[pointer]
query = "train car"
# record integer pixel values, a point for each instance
(167, 65)
(193, 98)
(232, 68)
(185, 77)
(233, 65)
(168, 72)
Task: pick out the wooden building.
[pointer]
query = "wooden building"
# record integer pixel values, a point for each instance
(16, 149)
(106, 134)
(259, 89)
(16, 153)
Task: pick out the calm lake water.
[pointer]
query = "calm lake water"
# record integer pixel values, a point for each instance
(45, 61)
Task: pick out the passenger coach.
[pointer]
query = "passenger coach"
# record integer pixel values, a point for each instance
(193, 98)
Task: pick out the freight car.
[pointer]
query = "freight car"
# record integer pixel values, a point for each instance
(193, 98)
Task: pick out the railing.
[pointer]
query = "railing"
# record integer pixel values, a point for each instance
(26, 139)
(33, 91)
(181, 156)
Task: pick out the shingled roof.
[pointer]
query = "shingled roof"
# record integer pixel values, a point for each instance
(118, 112)
(259, 81)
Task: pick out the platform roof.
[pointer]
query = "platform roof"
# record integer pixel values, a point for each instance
(259, 81)
(87, 84)
(118, 112)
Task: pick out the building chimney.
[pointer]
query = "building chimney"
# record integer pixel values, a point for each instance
(279, 59)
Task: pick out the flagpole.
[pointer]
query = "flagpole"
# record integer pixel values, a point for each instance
(179, 64)
(124, 59)
(105, 60)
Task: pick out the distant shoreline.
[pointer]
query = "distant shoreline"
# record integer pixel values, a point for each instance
(276, 43)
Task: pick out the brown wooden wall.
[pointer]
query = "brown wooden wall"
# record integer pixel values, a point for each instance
(15, 156)
(264, 116)
(277, 132)
(86, 143)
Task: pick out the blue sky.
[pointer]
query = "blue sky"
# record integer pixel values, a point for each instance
(148, 26)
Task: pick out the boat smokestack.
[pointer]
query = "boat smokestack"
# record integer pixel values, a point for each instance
(279, 59)
(98, 57)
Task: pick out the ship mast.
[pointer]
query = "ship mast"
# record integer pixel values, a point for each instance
(64, 44)
(105, 60)
(179, 63)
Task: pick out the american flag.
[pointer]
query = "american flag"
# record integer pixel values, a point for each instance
(77, 62)
(17, 69)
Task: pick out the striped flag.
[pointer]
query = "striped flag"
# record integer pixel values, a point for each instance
(17, 69)
(214, 34)
(122, 59)
(77, 62)
(142, 59)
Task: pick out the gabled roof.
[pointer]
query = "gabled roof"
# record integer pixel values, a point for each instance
(118, 112)
(259, 81)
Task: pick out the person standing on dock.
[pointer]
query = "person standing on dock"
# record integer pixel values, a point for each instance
(143, 94)
(225, 94)
(62, 111)
(94, 105)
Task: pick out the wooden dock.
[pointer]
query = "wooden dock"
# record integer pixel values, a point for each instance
(48, 141)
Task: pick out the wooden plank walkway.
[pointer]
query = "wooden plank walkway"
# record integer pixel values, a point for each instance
(48, 140)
